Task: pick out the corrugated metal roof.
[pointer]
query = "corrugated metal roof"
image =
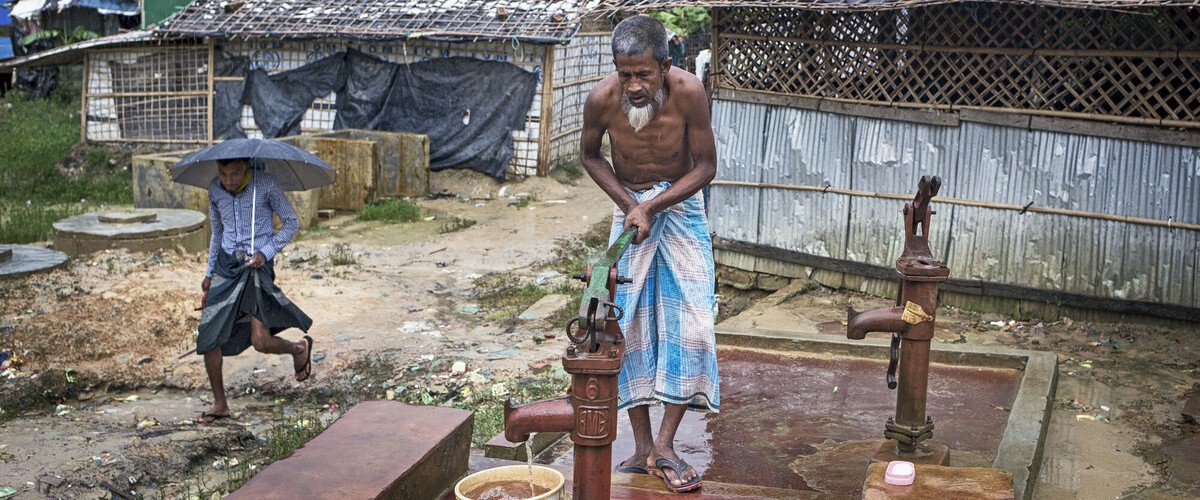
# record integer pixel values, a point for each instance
(26, 9)
(531, 21)
(74, 52)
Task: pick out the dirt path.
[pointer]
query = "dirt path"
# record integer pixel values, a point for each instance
(389, 299)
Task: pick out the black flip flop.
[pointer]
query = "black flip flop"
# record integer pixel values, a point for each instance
(632, 469)
(666, 463)
(307, 368)
(212, 417)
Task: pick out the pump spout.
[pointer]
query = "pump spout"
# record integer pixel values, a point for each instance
(548, 415)
(859, 324)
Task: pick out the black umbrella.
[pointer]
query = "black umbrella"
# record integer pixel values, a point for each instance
(295, 169)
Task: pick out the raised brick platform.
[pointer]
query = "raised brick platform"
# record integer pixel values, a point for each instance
(378, 449)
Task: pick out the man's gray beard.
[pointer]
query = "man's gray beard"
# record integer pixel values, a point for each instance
(640, 117)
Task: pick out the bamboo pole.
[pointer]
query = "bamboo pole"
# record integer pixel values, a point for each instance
(565, 132)
(211, 90)
(1031, 52)
(581, 81)
(969, 203)
(83, 111)
(547, 114)
(193, 93)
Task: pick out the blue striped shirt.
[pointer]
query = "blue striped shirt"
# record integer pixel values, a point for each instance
(229, 214)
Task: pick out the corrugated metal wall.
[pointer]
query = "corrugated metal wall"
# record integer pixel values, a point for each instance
(1102, 258)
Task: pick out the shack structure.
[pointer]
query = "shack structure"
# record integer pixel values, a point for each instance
(189, 81)
(1067, 133)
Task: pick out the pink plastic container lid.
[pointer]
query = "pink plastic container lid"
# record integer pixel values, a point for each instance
(900, 473)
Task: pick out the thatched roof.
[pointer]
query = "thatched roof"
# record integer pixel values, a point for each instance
(531, 21)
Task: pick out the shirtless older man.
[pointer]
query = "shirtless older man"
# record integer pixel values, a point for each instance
(663, 155)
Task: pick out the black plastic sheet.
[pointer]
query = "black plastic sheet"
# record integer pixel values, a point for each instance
(279, 101)
(228, 97)
(468, 107)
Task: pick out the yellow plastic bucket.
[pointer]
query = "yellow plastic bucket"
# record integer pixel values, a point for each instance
(543, 477)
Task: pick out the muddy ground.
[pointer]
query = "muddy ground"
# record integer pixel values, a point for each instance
(105, 390)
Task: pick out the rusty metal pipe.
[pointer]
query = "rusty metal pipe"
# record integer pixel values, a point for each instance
(859, 324)
(547, 415)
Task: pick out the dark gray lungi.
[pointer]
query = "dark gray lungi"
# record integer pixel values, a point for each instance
(236, 293)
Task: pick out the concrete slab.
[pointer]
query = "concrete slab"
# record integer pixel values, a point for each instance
(25, 260)
(501, 448)
(1021, 445)
(545, 306)
(936, 481)
(166, 228)
(378, 449)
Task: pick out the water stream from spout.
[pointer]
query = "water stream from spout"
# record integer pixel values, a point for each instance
(529, 459)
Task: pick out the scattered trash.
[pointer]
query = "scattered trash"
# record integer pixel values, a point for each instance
(1097, 418)
(316, 276)
(499, 390)
(414, 327)
(346, 338)
(318, 357)
(7, 491)
(835, 389)
(458, 367)
(390, 395)
(149, 422)
(128, 399)
(468, 310)
(1102, 407)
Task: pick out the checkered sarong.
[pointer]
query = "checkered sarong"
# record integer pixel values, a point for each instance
(670, 345)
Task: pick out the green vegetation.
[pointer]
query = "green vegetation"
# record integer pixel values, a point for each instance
(507, 292)
(456, 224)
(341, 255)
(394, 210)
(684, 20)
(33, 192)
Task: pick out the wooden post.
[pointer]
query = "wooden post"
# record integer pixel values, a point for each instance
(547, 117)
(83, 99)
(211, 90)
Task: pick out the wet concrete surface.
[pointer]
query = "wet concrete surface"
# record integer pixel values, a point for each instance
(810, 422)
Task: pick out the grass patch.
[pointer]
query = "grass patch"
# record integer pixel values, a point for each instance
(567, 172)
(507, 292)
(341, 255)
(456, 224)
(34, 194)
(394, 210)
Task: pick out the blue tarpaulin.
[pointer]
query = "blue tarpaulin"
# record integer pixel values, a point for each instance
(4, 19)
(6, 51)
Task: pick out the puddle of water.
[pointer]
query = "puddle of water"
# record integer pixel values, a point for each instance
(812, 422)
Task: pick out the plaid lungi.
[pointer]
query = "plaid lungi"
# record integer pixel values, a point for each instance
(670, 345)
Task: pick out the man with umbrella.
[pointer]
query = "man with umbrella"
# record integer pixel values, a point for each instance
(242, 305)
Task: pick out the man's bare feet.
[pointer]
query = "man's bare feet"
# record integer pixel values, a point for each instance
(213, 414)
(302, 361)
(679, 475)
(635, 465)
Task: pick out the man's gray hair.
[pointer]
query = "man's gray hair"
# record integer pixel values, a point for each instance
(638, 35)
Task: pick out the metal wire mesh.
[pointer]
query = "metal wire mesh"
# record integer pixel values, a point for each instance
(159, 94)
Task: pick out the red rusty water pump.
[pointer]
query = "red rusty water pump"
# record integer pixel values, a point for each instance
(911, 325)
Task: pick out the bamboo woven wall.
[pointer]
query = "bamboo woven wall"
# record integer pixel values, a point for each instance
(1138, 67)
(578, 67)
